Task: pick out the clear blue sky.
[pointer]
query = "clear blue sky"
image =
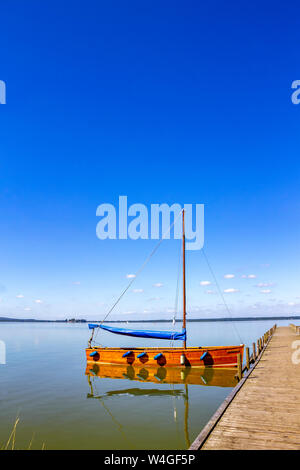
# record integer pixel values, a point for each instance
(166, 101)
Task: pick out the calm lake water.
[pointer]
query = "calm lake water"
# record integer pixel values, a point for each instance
(44, 383)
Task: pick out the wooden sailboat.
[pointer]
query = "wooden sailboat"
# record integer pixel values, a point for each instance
(195, 356)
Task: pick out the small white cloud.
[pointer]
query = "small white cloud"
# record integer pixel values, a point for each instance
(155, 298)
(27, 309)
(264, 284)
(137, 291)
(205, 283)
(76, 283)
(230, 291)
(265, 291)
(229, 276)
(158, 284)
(38, 301)
(130, 276)
(210, 291)
(251, 276)
(291, 304)
(20, 296)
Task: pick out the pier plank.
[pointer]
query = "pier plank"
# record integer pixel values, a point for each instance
(264, 411)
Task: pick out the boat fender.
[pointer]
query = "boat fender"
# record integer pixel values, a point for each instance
(93, 353)
(203, 356)
(158, 356)
(182, 359)
(127, 353)
(142, 354)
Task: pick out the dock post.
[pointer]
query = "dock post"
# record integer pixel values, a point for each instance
(254, 351)
(239, 364)
(258, 347)
(247, 359)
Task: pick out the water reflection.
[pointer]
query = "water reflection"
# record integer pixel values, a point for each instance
(187, 375)
(159, 375)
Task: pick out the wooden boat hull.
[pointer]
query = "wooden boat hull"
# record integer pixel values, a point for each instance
(212, 356)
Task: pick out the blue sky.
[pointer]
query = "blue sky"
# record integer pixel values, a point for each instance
(174, 102)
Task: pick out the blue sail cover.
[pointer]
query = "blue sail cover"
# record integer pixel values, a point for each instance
(143, 333)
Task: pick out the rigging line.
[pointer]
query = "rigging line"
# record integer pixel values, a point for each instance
(177, 294)
(221, 294)
(141, 268)
(115, 421)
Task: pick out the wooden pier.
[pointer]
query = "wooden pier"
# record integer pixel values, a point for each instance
(263, 410)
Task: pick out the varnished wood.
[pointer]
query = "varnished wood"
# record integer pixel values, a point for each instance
(216, 356)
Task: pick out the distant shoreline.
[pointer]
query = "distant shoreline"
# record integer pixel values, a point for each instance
(224, 319)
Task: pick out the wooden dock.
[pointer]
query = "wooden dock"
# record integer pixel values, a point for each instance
(263, 410)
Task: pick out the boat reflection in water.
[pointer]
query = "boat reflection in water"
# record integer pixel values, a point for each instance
(158, 375)
(208, 376)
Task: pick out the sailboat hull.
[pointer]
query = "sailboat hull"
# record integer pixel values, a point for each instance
(212, 356)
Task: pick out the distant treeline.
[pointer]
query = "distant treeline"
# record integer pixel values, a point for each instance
(30, 320)
(74, 320)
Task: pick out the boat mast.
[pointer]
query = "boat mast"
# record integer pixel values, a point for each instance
(183, 270)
